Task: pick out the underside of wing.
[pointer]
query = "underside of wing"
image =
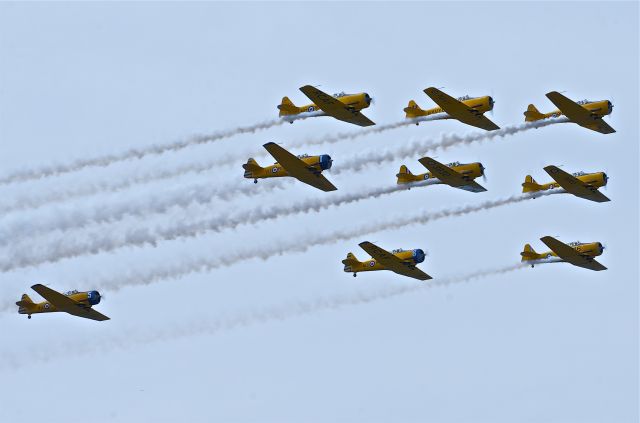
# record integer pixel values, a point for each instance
(299, 169)
(600, 126)
(460, 111)
(473, 186)
(570, 255)
(578, 114)
(450, 176)
(393, 263)
(575, 186)
(334, 107)
(66, 304)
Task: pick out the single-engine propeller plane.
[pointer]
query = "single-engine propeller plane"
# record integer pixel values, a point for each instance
(345, 107)
(577, 253)
(454, 174)
(469, 110)
(402, 262)
(307, 169)
(72, 302)
(585, 113)
(580, 184)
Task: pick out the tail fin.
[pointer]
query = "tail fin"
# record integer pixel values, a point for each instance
(350, 262)
(287, 107)
(529, 253)
(250, 167)
(24, 303)
(405, 176)
(413, 110)
(532, 114)
(530, 184)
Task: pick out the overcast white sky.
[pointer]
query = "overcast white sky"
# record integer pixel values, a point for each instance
(283, 339)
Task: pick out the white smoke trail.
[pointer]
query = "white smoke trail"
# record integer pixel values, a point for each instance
(100, 241)
(212, 327)
(297, 245)
(134, 153)
(376, 129)
(65, 219)
(419, 148)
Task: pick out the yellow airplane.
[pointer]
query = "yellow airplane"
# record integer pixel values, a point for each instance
(402, 262)
(307, 169)
(454, 174)
(577, 253)
(580, 184)
(469, 110)
(345, 107)
(72, 302)
(585, 113)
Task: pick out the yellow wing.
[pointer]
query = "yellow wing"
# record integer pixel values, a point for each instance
(575, 186)
(450, 176)
(393, 263)
(66, 304)
(578, 114)
(460, 111)
(335, 108)
(299, 169)
(570, 255)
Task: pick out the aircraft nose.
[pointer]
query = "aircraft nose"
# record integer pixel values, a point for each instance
(418, 255)
(325, 162)
(367, 98)
(605, 178)
(610, 106)
(94, 297)
(491, 102)
(600, 247)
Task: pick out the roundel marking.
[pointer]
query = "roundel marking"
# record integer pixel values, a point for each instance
(274, 170)
(311, 109)
(372, 263)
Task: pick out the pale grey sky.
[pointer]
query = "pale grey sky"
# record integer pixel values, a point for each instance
(268, 340)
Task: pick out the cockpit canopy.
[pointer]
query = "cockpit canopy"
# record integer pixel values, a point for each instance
(398, 250)
(453, 164)
(340, 94)
(579, 173)
(73, 291)
(585, 101)
(465, 97)
(575, 243)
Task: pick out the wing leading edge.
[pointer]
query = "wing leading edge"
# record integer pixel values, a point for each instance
(393, 263)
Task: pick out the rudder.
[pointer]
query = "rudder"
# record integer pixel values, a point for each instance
(530, 184)
(287, 107)
(529, 253)
(532, 114)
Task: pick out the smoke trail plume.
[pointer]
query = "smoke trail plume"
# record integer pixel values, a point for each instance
(267, 315)
(297, 245)
(376, 129)
(419, 148)
(134, 153)
(105, 241)
(25, 226)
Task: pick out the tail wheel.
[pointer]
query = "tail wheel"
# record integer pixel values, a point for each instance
(355, 274)
(29, 316)
(255, 181)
